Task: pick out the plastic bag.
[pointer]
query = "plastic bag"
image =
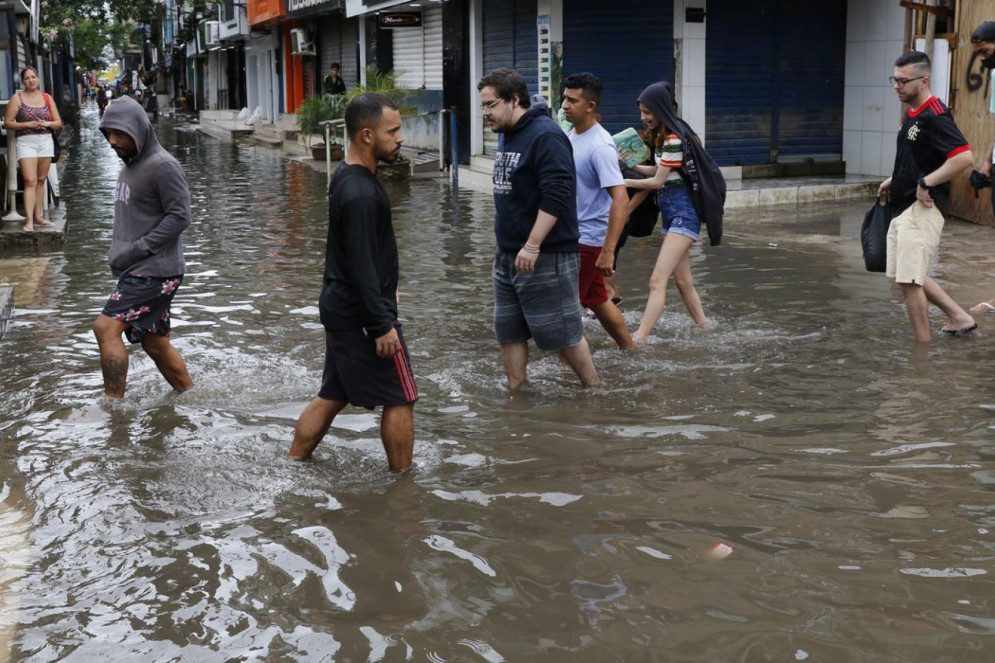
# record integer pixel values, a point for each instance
(632, 151)
(874, 236)
(643, 218)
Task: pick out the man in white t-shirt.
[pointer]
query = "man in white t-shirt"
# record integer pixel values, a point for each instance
(601, 201)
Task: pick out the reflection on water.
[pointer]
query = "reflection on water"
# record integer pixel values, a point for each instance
(849, 475)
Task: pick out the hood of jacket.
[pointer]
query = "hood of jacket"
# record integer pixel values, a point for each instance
(659, 98)
(127, 115)
(532, 113)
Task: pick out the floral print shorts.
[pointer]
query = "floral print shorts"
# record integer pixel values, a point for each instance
(142, 303)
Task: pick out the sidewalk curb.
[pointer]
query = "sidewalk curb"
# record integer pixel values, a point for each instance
(6, 307)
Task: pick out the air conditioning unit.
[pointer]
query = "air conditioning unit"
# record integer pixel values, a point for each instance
(212, 34)
(300, 42)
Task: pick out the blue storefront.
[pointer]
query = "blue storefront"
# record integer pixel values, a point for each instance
(628, 44)
(774, 76)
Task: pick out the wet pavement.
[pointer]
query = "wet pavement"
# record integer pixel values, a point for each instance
(848, 470)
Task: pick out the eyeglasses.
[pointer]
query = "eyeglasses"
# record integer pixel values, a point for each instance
(902, 82)
(489, 106)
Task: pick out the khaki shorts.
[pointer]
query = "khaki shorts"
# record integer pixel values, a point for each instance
(913, 240)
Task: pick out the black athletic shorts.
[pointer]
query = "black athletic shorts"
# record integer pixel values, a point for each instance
(355, 374)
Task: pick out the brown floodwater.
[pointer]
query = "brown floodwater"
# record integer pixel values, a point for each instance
(848, 471)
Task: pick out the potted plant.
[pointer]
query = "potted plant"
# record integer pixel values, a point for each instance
(310, 116)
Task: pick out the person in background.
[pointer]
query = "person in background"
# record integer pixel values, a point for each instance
(983, 43)
(151, 211)
(366, 360)
(535, 275)
(601, 201)
(931, 151)
(34, 117)
(333, 83)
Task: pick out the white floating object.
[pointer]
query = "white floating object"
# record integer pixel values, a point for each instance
(719, 551)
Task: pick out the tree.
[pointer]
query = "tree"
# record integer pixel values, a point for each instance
(94, 24)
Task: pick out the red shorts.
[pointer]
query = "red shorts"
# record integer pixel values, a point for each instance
(592, 283)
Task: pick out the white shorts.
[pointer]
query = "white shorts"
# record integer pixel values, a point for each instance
(913, 240)
(35, 146)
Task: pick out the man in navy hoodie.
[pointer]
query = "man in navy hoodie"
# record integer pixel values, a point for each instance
(536, 269)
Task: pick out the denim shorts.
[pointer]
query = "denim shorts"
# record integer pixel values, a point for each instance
(677, 213)
(543, 305)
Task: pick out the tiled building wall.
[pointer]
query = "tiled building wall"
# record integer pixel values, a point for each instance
(871, 110)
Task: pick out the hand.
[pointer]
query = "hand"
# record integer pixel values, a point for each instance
(605, 263)
(525, 262)
(986, 168)
(922, 195)
(389, 344)
(885, 188)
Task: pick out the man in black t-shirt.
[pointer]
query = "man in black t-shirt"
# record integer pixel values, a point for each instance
(333, 83)
(366, 359)
(931, 152)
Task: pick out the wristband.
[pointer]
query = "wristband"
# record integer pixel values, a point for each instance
(530, 249)
(922, 183)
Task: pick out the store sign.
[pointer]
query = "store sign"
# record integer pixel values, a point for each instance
(400, 20)
(299, 8)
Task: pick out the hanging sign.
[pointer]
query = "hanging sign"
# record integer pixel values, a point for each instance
(400, 20)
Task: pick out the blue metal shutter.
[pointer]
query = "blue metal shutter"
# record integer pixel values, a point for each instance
(510, 41)
(810, 81)
(628, 44)
(774, 80)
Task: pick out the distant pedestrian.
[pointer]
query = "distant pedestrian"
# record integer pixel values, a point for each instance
(674, 144)
(537, 263)
(983, 42)
(151, 211)
(931, 152)
(366, 360)
(601, 201)
(34, 117)
(333, 83)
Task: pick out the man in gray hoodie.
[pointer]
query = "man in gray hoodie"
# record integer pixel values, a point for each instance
(151, 210)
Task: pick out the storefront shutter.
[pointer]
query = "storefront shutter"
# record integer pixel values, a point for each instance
(628, 44)
(418, 53)
(775, 97)
(510, 40)
(338, 40)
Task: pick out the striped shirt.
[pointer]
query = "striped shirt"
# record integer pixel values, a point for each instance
(671, 155)
(31, 114)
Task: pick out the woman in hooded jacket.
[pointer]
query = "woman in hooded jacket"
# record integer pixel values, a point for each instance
(680, 223)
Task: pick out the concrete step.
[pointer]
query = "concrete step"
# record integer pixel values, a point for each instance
(228, 131)
(6, 307)
(218, 115)
(265, 140)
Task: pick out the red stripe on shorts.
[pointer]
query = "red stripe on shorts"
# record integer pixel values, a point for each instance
(405, 375)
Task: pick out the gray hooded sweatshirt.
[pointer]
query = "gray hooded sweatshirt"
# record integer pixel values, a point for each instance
(151, 200)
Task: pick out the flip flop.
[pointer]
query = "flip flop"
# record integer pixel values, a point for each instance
(959, 332)
(982, 308)
(45, 224)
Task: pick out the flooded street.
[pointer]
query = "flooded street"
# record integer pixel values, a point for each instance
(850, 472)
